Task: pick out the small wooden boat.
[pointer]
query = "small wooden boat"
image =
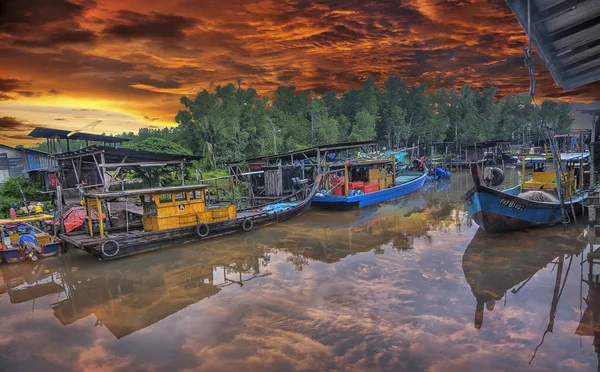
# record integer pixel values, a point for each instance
(177, 214)
(366, 182)
(514, 208)
(21, 239)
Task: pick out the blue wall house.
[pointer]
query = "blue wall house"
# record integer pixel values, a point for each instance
(32, 164)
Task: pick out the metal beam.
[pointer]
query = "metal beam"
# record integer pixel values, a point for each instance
(556, 10)
(565, 33)
(572, 52)
(79, 154)
(581, 62)
(142, 164)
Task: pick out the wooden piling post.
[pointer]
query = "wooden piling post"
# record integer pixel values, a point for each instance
(100, 220)
(59, 206)
(89, 215)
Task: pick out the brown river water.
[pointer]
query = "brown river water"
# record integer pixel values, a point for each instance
(405, 286)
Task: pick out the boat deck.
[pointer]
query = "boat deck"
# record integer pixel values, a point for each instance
(82, 239)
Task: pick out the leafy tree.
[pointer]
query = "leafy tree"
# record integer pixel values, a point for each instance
(159, 145)
(364, 126)
(11, 194)
(557, 115)
(393, 112)
(233, 122)
(400, 129)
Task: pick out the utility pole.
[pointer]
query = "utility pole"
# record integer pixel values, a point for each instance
(275, 131)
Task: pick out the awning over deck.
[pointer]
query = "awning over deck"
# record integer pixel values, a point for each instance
(566, 34)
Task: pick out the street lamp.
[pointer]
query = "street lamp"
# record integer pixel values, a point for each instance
(275, 131)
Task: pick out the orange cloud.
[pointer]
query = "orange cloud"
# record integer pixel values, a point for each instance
(140, 57)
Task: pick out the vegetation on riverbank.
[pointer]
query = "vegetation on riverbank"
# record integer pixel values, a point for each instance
(11, 196)
(234, 123)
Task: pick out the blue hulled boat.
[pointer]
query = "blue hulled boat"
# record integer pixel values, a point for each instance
(513, 209)
(20, 240)
(363, 183)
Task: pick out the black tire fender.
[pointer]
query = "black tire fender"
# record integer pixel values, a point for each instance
(247, 224)
(498, 176)
(202, 230)
(104, 248)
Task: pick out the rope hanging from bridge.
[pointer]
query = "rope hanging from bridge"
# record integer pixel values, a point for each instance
(529, 54)
(529, 63)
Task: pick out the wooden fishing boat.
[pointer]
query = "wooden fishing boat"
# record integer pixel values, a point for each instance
(177, 214)
(22, 240)
(513, 209)
(357, 184)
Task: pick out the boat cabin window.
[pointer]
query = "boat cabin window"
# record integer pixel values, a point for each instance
(149, 205)
(165, 198)
(196, 195)
(180, 196)
(359, 174)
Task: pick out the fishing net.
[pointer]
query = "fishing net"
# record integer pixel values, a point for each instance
(538, 196)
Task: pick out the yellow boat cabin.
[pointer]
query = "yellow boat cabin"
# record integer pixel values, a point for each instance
(166, 207)
(539, 178)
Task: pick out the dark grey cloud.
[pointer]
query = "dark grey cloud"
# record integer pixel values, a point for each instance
(11, 123)
(63, 63)
(28, 94)
(164, 84)
(14, 13)
(8, 85)
(60, 37)
(132, 25)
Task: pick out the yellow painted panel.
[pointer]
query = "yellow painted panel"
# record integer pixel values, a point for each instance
(42, 239)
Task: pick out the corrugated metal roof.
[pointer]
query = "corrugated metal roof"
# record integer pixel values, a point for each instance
(566, 34)
(116, 154)
(41, 132)
(311, 151)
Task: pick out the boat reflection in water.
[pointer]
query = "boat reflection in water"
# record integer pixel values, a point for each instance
(125, 299)
(25, 282)
(390, 226)
(135, 293)
(495, 264)
(589, 325)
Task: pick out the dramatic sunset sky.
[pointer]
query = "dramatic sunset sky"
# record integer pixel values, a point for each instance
(118, 65)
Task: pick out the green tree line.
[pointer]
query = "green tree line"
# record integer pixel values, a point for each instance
(233, 123)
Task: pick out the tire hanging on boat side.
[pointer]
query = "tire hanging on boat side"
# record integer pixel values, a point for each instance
(202, 230)
(104, 248)
(247, 224)
(493, 176)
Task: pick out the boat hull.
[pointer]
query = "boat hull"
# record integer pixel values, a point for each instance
(13, 255)
(364, 200)
(498, 211)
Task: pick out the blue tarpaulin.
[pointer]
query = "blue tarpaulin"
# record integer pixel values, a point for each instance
(400, 156)
(278, 207)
